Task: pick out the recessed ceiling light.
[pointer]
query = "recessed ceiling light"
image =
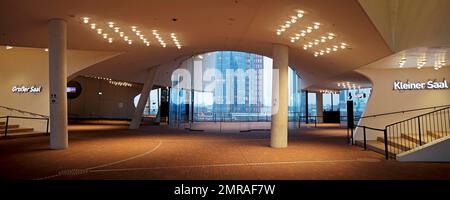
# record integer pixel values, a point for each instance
(110, 24)
(93, 26)
(8, 47)
(85, 20)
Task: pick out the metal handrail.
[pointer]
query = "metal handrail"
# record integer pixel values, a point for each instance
(386, 152)
(418, 116)
(22, 111)
(19, 117)
(405, 111)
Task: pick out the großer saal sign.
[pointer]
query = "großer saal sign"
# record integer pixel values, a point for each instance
(26, 89)
(428, 85)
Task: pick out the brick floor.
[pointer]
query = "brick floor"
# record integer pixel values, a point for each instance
(113, 152)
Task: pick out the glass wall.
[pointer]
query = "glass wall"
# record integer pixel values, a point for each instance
(227, 86)
(330, 102)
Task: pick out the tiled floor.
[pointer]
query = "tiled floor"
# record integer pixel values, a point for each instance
(112, 152)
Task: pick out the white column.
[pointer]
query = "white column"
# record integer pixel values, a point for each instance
(319, 107)
(148, 85)
(279, 129)
(57, 49)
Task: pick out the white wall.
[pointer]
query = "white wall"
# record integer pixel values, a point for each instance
(116, 102)
(29, 66)
(436, 151)
(384, 99)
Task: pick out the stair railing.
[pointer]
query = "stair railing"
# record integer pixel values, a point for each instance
(29, 118)
(416, 131)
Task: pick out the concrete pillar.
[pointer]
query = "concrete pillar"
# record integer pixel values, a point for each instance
(57, 50)
(148, 85)
(279, 129)
(319, 107)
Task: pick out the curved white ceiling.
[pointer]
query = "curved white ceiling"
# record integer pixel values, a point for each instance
(201, 26)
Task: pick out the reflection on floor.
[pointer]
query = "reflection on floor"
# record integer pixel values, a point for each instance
(113, 152)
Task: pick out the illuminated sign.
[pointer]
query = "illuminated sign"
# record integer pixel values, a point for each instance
(429, 85)
(25, 89)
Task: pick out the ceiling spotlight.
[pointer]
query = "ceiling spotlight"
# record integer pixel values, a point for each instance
(138, 33)
(147, 43)
(316, 25)
(130, 42)
(335, 48)
(343, 45)
(125, 38)
(93, 26)
(323, 39)
(316, 42)
(116, 29)
(278, 33)
(328, 50)
(330, 36)
(309, 29)
(293, 19)
(110, 24)
(99, 31)
(300, 13)
(46, 49)
(121, 34)
(105, 35)
(282, 29)
(134, 28)
(305, 47)
(321, 53)
(110, 40)
(8, 47)
(141, 37)
(85, 20)
(287, 25)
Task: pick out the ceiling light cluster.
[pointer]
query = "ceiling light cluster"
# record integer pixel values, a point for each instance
(131, 35)
(318, 41)
(421, 61)
(140, 35)
(121, 83)
(304, 32)
(402, 61)
(159, 38)
(112, 82)
(348, 85)
(99, 78)
(329, 92)
(175, 40)
(330, 49)
(291, 21)
(439, 60)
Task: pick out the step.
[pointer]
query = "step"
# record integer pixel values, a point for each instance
(377, 146)
(22, 135)
(9, 126)
(399, 143)
(423, 138)
(17, 130)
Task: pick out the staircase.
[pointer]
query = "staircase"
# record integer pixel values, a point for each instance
(410, 134)
(15, 131)
(12, 122)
